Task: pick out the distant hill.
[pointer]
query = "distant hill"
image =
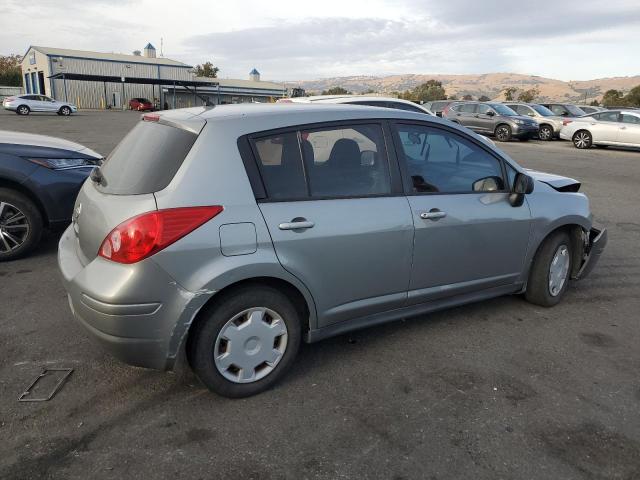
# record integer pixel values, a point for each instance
(489, 84)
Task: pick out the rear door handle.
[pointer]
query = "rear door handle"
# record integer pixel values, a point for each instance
(433, 214)
(300, 225)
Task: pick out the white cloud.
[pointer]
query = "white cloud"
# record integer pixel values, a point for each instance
(296, 40)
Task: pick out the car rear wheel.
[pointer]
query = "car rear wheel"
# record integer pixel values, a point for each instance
(20, 225)
(503, 132)
(550, 272)
(66, 111)
(23, 110)
(582, 139)
(245, 342)
(545, 132)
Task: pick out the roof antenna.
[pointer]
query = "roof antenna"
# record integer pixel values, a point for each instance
(161, 47)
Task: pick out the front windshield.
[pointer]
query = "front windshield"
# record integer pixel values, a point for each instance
(503, 110)
(544, 111)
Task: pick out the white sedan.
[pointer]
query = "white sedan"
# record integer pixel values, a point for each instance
(25, 104)
(615, 127)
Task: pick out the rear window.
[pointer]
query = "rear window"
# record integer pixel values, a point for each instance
(146, 159)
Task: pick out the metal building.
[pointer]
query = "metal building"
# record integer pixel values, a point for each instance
(45, 70)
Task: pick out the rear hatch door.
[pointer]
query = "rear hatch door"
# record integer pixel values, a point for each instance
(144, 162)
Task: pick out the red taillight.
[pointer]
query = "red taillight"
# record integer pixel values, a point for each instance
(142, 236)
(566, 122)
(9, 99)
(150, 117)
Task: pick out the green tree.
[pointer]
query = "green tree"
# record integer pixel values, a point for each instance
(336, 91)
(427, 92)
(10, 72)
(207, 70)
(528, 96)
(633, 97)
(467, 97)
(612, 97)
(509, 92)
(483, 98)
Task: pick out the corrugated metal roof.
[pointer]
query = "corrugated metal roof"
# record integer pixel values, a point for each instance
(232, 82)
(118, 57)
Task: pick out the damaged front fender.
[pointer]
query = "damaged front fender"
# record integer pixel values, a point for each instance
(594, 243)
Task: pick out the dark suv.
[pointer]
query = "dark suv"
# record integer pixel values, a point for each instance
(492, 119)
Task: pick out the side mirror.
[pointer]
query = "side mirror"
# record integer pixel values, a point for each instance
(522, 185)
(491, 113)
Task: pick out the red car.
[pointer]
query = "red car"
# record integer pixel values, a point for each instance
(140, 104)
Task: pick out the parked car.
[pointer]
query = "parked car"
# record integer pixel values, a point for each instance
(492, 118)
(610, 128)
(25, 104)
(588, 109)
(549, 124)
(246, 230)
(141, 104)
(438, 106)
(40, 178)
(371, 101)
(564, 109)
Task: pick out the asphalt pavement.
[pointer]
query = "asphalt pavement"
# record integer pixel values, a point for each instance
(495, 390)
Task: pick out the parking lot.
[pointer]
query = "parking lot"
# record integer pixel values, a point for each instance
(498, 390)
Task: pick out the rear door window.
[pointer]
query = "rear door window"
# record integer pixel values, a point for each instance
(346, 161)
(466, 107)
(146, 160)
(280, 166)
(606, 116)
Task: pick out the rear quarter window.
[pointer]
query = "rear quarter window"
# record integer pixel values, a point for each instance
(146, 160)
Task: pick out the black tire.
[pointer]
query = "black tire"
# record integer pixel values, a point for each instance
(538, 288)
(23, 110)
(582, 139)
(24, 205)
(545, 133)
(503, 132)
(202, 340)
(65, 111)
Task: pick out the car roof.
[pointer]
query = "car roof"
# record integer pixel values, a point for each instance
(350, 98)
(8, 137)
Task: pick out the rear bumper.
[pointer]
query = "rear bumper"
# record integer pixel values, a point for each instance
(138, 313)
(596, 243)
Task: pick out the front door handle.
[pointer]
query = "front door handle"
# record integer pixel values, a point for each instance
(433, 214)
(296, 225)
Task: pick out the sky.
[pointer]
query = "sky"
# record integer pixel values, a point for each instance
(298, 40)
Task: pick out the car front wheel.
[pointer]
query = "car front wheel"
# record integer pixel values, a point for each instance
(550, 271)
(20, 225)
(545, 132)
(245, 342)
(503, 133)
(582, 139)
(66, 111)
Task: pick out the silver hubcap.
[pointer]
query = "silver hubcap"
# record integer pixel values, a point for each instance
(581, 140)
(23, 110)
(503, 133)
(558, 270)
(545, 133)
(14, 228)
(250, 345)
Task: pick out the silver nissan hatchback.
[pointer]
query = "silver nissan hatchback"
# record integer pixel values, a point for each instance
(231, 234)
